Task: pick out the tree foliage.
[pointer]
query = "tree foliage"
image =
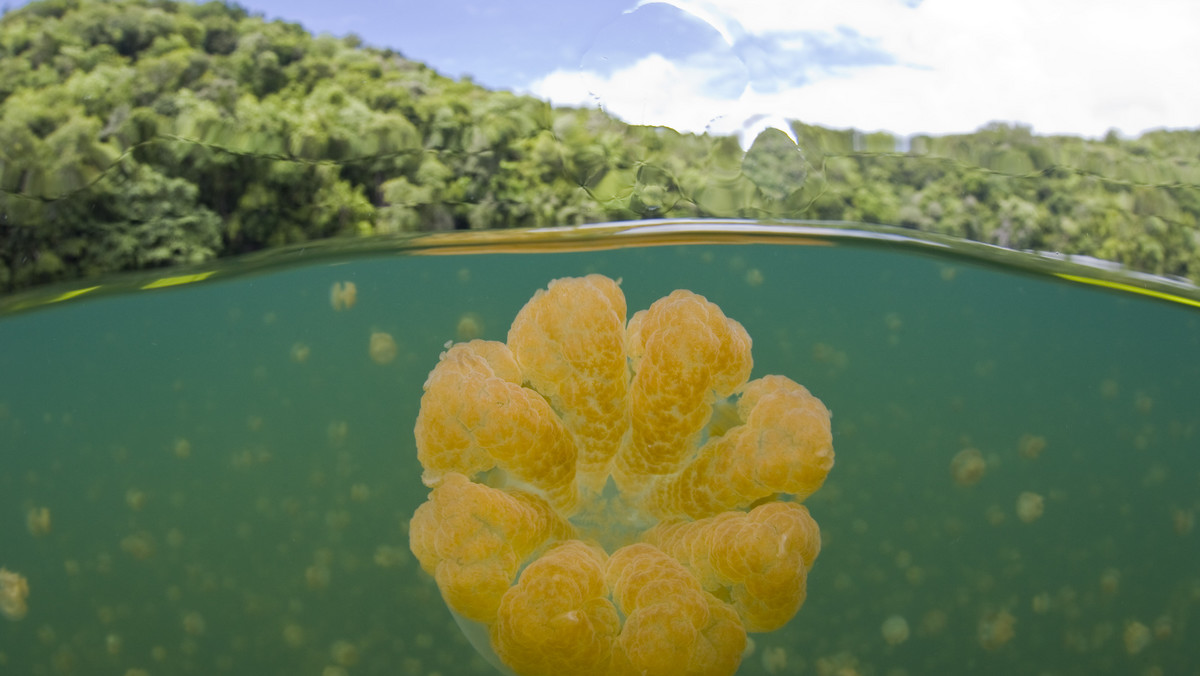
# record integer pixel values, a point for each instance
(142, 133)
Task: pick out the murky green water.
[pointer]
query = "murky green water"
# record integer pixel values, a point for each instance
(229, 474)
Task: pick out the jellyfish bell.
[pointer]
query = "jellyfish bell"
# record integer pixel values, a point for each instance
(588, 512)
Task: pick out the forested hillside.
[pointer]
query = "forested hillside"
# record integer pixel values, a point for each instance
(138, 134)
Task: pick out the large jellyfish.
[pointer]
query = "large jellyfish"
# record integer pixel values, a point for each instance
(590, 514)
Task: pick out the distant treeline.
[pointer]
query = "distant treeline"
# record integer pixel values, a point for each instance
(138, 134)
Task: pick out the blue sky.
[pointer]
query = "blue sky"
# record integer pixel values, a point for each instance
(906, 66)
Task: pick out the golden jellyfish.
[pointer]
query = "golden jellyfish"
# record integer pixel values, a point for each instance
(1136, 637)
(968, 467)
(38, 521)
(895, 630)
(1030, 446)
(13, 591)
(300, 353)
(1030, 507)
(343, 295)
(382, 347)
(469, 327)
(996, 629)
(588, 513)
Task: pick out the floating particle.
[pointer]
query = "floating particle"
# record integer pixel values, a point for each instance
(470, 327)
(996, 629)
(1041, 603)
(300, 353)
(968, 467)
(1137, 637)
(1031, 446)
(38, 521)
(1029, 507)
(895, 630)
(360, 492)
(13, 591)
(382, 347)
(343, 295)
(1109, 388)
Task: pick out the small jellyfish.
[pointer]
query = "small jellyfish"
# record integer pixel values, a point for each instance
(136, 499)
(1163, 628)
(300, 353)
(996, 629)
(1142, 402)
(382, 347)
(183, 448)
(293, 635)
(968, 467)
(344, 653)
(343, 295)
(1031, 446)
(13, 591)
(470, 327)
(895, 630)
(194, 624)
(139, 545)
(1029, 507)
(754, 277)
(774, 659)
(1110, 581)
(336, 431)
(38, 521)
(316, 576)
(1137, 637)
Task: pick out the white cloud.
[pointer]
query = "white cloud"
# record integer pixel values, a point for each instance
(1067, 66)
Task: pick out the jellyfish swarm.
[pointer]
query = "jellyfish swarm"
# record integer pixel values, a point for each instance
(589, 514)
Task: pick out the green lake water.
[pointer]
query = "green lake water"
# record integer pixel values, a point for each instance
(229, 475)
